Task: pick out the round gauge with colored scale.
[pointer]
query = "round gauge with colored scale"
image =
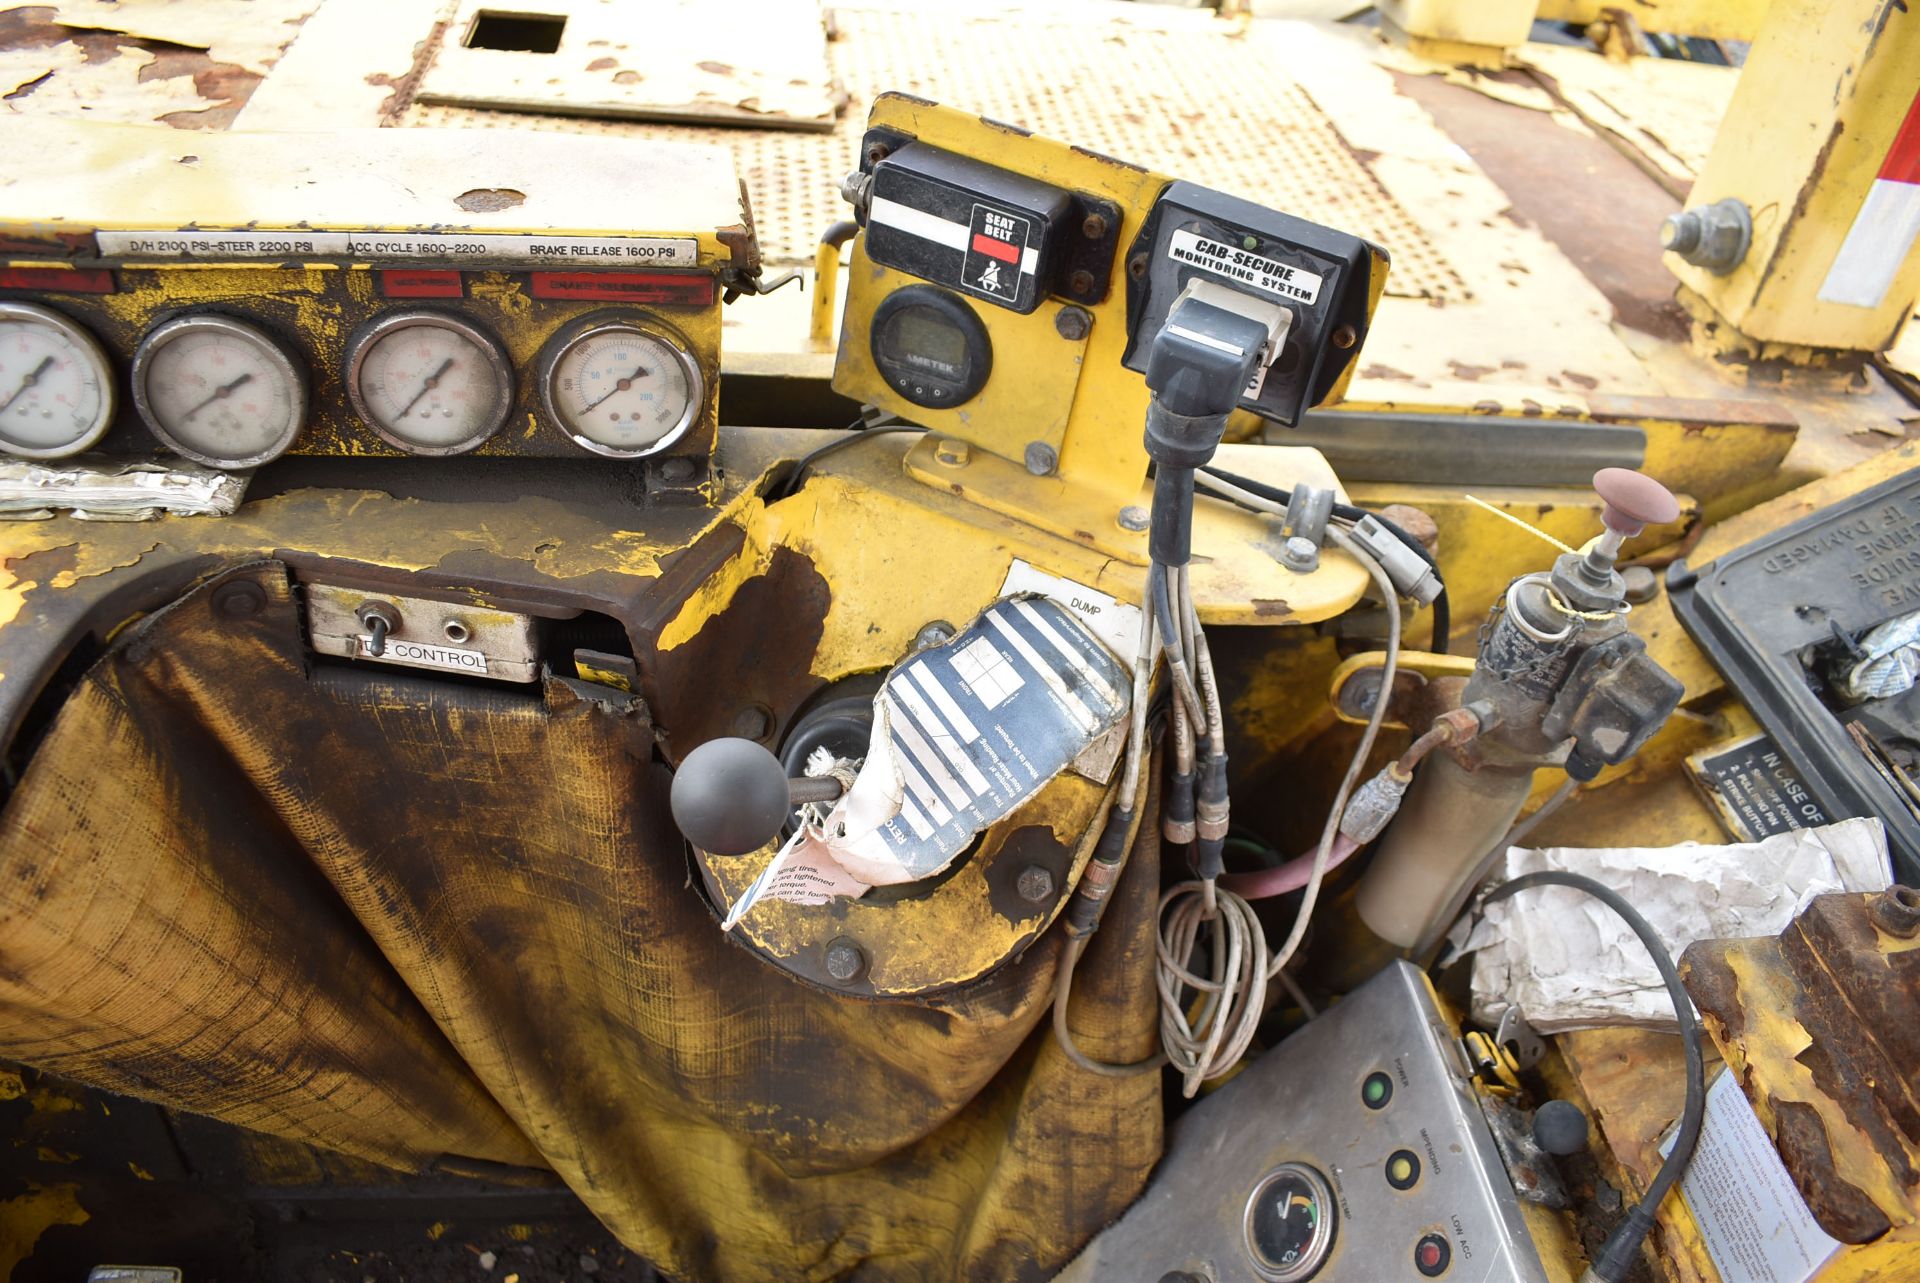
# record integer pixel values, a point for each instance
(219, 391)
(56, 385)
(618, 386)
(1289, 1223)
(429, 383)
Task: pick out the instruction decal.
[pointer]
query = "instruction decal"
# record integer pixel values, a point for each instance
(1756, 1225)
(1757, 792)
(1244, 266)
(428, 247)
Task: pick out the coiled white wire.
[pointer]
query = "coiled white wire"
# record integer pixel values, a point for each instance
(1206, 1036)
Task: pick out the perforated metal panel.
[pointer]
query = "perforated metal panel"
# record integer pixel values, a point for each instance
(1187, 99)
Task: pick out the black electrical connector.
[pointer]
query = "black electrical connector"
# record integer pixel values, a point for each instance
(1199, 362)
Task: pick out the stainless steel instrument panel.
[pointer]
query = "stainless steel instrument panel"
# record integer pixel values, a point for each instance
(1355, 1152)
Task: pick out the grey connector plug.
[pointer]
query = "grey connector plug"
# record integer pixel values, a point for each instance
(1412, 578)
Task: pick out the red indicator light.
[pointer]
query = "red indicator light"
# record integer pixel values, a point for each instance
(995, 249)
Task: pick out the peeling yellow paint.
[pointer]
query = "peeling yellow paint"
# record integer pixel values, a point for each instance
(139, 1172)
(11, 1088)
(48, 1154)
(437, 1230)
(25, 1218)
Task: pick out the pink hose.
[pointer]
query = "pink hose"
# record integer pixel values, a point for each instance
(1290, 876)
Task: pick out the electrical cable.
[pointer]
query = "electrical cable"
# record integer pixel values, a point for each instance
(1621, 1251)
(855, 434)
(1442, 606)
(1232, 997)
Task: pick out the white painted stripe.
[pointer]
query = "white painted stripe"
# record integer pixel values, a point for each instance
(1207, 340)
(943, 740)
(909, 734)
(1067, 648)
(1085, 715)
(1877, 245)
(917, 785)
(917, 821)
(945, 702)
(932, 227)
(917, 222)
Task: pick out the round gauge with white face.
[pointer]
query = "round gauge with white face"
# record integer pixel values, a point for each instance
(429, 383)
(56, 386)
(621, 388)
(219, 391)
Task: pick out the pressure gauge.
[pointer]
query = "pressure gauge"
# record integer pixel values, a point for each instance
(428, 382)
(620, 388)
(219, 391)
(56, 387)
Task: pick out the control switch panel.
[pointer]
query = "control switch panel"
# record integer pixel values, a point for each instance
(1355, 1152)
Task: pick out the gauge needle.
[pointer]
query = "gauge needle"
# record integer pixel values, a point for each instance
(432, 382)
(639, 372)
(219, 393)
(27, 382)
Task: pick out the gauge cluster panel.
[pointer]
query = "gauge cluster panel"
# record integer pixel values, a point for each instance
(255, 302)
(234, 368)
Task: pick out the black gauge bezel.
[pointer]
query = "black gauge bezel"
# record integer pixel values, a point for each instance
(915, 385)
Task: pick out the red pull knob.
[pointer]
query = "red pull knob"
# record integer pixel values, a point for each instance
(1633, 501)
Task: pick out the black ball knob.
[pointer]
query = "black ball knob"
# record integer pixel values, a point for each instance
(1560, 1128)
(730, 797)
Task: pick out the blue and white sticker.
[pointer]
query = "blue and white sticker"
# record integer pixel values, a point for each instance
(966, 732)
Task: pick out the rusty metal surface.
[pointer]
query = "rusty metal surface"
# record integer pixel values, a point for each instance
(1822, 1025)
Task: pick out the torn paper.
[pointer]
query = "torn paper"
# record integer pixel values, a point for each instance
(1570, 963)
(963, 734)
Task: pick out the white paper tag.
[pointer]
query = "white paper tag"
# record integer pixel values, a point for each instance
(1756, 1226)
(413, 247)
(1236, 264)
(1113, 622)
(451, 658)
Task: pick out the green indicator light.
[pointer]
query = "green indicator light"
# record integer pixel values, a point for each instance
(1374, 1089)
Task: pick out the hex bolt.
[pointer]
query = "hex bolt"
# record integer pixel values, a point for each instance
(1041, 459)
(752, 722)
(1135, 518)
(1093, 226)
(1897, 911)
(1299, 554)
(1073, 323)
(1715, 237)
(380, 619)
(949, 453)
(856, 187)
(1080, 283)
(846, 961)
(241, 599)
(1035, 884)
(932, 635)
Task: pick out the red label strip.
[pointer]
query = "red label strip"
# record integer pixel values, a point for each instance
(421, 283)
(58, 280)
(995, 249)
(626, 287)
